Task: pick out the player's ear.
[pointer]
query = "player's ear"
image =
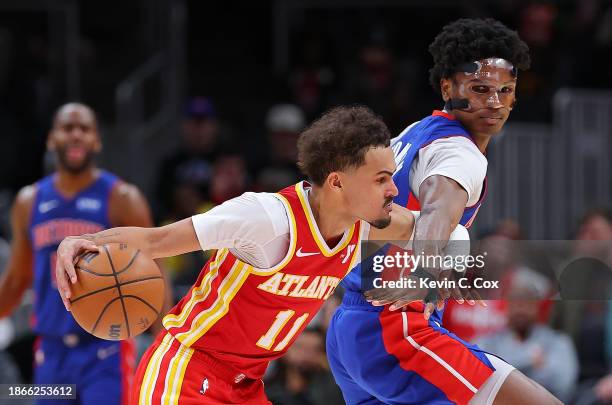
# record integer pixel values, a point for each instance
(50, 142)
(446, 88)
(98, 144)
(334, 181)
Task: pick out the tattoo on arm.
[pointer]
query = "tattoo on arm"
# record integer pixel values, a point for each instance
(102, 237)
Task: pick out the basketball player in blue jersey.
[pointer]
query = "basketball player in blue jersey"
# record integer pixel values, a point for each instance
(77, 198)
(384, 347)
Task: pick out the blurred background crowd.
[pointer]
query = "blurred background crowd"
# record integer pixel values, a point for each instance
(199, 102)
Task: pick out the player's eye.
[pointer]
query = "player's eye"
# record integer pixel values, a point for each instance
(381, 180)
(480, 89)
(507, 90)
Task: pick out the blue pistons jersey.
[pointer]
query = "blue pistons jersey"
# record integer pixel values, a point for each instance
(54, 217)
(398, 357)
(406, 147)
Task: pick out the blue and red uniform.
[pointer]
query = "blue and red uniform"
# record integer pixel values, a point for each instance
(379, 356)
(64, 352)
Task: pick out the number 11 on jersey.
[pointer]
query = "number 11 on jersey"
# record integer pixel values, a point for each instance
(267, 340)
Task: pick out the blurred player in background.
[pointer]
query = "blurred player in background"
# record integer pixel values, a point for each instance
(77, 198)
(280, 256)
(379, 354)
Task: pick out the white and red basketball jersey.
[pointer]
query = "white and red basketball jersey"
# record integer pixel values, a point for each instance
(249, 316)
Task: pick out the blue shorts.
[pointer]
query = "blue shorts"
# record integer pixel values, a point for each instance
(378, 356)
(102, 370)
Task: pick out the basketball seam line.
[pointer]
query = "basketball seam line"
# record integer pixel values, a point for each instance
(115, 299)
(109, 275)
(102, 313)
(89, 294)
(143, 301)
(110, 260)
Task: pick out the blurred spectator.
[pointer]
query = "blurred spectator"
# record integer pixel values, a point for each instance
(586, 320)
(7, 331)
(509, 229)
(381, 82)
(547, 356)
(230, 178)
(303, 376)
(284, 123)
(312, 79)
(596, 225)
(9, 374)
(185, 175)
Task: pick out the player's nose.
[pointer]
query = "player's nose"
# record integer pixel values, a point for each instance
(494, 101)
(393, 191)
(76, 133)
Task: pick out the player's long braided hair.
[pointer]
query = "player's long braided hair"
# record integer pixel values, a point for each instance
(468, 40)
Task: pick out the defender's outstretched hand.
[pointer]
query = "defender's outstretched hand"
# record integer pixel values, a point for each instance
(434, 298)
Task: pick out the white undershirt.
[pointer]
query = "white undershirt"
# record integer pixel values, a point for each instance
(255, 226)
(457, 158)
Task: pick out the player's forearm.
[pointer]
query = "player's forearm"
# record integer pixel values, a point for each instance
(443, 201)
(11, 292)
(165, 241)
(433, 229)
(140, 238)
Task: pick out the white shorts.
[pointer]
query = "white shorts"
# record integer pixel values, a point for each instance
(488, 391)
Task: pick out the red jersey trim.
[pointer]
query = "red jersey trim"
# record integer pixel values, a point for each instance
(198, 294)
(208, 317)
(314, 229)
(438, 113)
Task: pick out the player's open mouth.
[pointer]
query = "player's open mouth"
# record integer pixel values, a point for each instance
(389, 207)
(75, 153)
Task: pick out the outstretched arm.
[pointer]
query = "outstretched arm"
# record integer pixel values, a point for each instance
(243, 223)
(442, 201)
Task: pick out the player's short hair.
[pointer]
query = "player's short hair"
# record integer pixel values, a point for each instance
(469, 40)
(339, 140)
(74, 104)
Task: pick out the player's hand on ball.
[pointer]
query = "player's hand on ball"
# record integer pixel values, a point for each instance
(68, 253)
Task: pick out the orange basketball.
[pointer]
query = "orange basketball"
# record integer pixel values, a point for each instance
(119, 292)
